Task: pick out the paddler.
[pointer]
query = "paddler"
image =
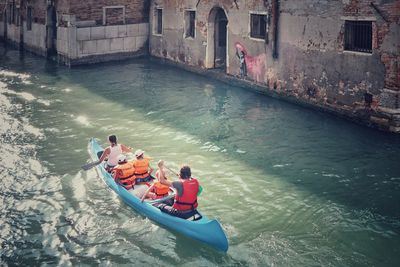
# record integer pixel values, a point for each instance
(185, 202)
(158, 190)
(143, 172)
(112, 152)
(124, 172)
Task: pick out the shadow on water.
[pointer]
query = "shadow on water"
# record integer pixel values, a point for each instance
(318, 152)
(332, 158)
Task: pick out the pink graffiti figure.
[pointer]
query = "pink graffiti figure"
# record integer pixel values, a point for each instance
(255, 65)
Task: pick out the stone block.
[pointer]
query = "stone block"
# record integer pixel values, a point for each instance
(389, 99)
(83, 34)
(62, 33)
(122, 31)
(88, 47)
(103, 46)
(129, 44)
(111, 31)
(97, 33)
(132, 30)
(117, 44)
(143, 29)
(140, 42)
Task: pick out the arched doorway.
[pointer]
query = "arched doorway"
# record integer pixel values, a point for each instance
(217, 39)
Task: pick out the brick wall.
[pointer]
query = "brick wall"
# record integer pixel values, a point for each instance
(92, 10)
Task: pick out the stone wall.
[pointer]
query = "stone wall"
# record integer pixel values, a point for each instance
(305, 60)
(92, 44)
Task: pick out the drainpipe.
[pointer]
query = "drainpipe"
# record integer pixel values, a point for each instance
(275, 21)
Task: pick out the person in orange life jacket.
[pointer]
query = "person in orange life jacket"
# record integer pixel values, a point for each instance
(124, 172)
(158, 190)
(112, 152)
(142, 173)
(185, 202)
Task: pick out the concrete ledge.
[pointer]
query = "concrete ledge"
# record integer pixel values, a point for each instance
(92, 59)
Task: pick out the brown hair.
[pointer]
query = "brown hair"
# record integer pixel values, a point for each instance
(185, 172)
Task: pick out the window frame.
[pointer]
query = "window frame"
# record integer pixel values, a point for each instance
(356, 30)
(29, 18)
(158, 21)
(259, 14)
(188, 24)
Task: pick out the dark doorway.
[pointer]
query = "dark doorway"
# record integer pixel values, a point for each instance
(216, 54)
(51, 31)
(221, 22)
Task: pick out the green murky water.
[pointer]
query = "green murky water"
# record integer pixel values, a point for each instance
(291, 186)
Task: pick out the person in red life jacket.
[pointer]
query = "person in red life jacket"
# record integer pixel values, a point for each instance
(158, 190)
(142, 173)
(112, 152)
(185, 202)
(124, 172)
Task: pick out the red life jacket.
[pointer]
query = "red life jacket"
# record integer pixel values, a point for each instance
(188, 200)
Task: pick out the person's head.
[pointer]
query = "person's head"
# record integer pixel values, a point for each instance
(122, 159)
(139, 153)
(112, 138)
(160, 163)
(185, 172)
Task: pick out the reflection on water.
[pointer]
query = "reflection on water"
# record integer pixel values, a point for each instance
(290, 186)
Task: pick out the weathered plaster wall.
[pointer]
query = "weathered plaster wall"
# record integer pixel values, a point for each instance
(311, 64)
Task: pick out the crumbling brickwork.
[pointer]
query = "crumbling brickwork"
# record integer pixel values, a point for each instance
(302, 56)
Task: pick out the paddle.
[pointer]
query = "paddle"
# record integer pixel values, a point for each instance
(174, 172)
(90, 165)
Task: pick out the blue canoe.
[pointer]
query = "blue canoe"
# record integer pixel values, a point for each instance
(204, 229)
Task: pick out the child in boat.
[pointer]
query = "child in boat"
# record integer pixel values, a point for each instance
(157, 189)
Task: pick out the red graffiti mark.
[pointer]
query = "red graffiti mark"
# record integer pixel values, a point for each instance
(255, 64)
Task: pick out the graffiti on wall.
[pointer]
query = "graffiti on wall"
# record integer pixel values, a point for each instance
(250, 65)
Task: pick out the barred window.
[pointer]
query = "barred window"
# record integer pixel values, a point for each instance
(258, 26)
(190, 17)
(358, 36)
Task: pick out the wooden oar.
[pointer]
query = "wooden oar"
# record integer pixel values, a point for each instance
(90, 165)
(174, 172)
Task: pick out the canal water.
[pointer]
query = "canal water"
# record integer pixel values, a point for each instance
(290, 186)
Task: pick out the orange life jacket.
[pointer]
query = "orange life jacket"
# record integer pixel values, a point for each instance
(141, 167)
(125, 174)
(161, 190)
(188, 200)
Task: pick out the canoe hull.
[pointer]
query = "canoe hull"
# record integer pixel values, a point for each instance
(204, 230)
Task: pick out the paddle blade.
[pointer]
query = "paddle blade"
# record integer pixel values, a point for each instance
(90, 165)
(200, 190)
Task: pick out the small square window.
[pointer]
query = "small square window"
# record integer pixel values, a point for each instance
(258, 26)
(190, 17)
(358, 36)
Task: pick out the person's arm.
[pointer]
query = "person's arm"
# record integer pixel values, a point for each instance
(145, 193)
(106, 152)
(150, 170)
(125, 148)
(178, 186)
